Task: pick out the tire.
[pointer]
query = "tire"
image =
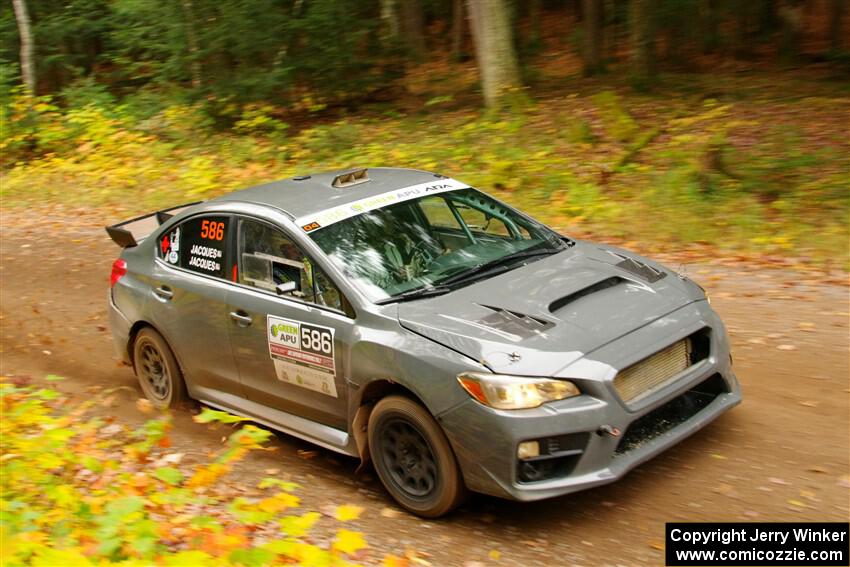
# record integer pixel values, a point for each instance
(157, 370)
(413, 458)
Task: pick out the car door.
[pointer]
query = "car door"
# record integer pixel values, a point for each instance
(188, 302)
(289, 332)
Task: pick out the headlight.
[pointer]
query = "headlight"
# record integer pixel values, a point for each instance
(515, 392)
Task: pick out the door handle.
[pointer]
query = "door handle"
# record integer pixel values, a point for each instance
(242, 319)
(164, 293)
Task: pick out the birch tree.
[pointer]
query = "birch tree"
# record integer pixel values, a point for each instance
(494, 49)
(25, 32)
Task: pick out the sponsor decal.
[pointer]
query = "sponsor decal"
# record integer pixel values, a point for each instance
(327, 217)
(303, 354)
(169, 246)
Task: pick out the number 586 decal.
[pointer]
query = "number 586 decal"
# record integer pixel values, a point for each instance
(319, 340)
(303, 354)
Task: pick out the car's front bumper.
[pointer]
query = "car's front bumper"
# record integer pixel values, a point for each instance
(486, 440)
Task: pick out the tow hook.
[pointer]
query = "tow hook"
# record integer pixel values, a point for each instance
(609, 430)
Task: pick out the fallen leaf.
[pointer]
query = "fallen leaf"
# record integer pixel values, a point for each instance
(495, 554)
(395, 561)
(306, 454)
(144, 406)
(348, 512)
(349, 542)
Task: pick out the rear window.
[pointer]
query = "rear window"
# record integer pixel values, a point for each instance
(198, 245)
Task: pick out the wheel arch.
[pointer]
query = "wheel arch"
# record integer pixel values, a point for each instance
(136, 328)
(369, 395)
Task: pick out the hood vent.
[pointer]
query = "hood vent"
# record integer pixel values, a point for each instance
(598, 286)
(637, 268)
(514, 323)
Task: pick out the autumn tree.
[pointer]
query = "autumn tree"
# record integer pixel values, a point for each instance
(494, 49)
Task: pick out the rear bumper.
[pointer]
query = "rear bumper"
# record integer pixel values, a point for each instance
(486, 440)
(120, 328)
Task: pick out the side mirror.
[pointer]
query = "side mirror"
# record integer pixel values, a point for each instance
(286, 287)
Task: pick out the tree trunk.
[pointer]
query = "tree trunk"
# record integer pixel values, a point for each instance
(642, 42)
(412, 28)
(389, 20)
(494, 48)
(457, 29)
(837, 9)
(791, 17)
(535, 35)
(610, 30)
(709, 18)
(25, 31)
(592, 52)
(192, 39)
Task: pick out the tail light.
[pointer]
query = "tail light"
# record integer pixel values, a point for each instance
(119, 268)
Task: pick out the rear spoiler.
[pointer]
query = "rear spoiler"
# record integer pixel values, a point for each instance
(129, 233)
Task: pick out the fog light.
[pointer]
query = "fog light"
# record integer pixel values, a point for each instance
(528, 450)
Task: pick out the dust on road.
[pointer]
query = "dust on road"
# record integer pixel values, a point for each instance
(780, 456)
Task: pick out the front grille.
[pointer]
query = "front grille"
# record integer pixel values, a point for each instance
(675, 412)
(640, 378)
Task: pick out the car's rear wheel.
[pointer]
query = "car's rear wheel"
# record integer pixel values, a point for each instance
(413, 458)
(157, 370)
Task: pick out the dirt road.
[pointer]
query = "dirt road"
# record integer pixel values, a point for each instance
(781, 455)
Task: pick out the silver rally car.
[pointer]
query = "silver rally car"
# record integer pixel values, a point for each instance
(403, 317)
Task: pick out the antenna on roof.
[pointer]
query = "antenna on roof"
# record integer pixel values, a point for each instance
(351, 177)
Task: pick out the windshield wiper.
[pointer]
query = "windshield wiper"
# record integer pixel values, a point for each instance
(502, 262)
(416, 294)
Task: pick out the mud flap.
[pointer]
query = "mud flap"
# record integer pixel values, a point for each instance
(361, 437)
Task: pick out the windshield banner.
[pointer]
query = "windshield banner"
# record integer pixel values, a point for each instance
(315, 221)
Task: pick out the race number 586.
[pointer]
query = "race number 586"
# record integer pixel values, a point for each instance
(316, 340)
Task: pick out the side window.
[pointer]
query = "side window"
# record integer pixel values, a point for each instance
(198, 245)
(268, 259)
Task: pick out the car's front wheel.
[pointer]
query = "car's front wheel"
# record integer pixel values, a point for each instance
(157, 370)
(413, 458)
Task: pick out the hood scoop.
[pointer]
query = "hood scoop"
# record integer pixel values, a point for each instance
(559, 304)
(516, 324)
(637, 268)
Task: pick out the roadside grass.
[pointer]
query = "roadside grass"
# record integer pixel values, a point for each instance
(757, 172)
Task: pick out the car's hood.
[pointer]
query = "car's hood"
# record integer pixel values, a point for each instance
(536, 319)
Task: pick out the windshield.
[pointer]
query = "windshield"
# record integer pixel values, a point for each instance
(422, 242)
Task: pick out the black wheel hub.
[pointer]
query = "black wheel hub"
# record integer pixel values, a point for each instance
(408, 458)
(154, 371)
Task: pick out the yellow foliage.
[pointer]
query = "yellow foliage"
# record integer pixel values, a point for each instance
(111, 509)
(349, 542)
(348, 512)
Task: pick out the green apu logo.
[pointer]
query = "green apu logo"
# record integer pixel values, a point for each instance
(285, 332)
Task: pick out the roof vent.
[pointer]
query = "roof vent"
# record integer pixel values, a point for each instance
(349, 178)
